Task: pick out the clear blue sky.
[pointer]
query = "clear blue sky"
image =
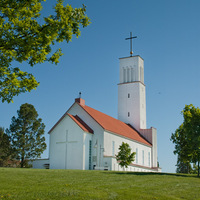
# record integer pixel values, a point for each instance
(168, 40)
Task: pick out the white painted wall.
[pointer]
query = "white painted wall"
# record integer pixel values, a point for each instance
(86, 140)
(132, 104)
(131, 69)
(131, 92)
(108, 141)
(131, 168)
(151, 136)
(73, 155)
(97, 138)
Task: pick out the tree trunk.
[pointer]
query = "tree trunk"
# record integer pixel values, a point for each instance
(22, 162)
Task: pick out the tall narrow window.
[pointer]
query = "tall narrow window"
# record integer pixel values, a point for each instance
(113, 148)
(149, 159)
(90, 154)
(128, 95)
(127, 74)
(132, 74)
(124, 75)
(142, 157)
(128, 114)
(136, 159)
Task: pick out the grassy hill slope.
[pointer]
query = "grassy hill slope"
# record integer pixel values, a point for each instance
(75, 184)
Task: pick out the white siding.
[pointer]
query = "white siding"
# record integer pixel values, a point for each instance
(73, 154)
(108, 141)
(97, 137)
(132, 110)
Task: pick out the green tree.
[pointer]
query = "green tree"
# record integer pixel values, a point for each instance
(183, 167)
(27, 37)
(27, 134)
(187, 136)
(5, 149)
(124, 156)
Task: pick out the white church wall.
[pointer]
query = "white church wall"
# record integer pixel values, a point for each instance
(57, 152)
(97, 138)
(142, 106)
(66, 145)
(131, 168)
(144, 153)
(127, 106)
(127, 63)
(151, 136)
(131, 92)
(132, 104)
(87, 137)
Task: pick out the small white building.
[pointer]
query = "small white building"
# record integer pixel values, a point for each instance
(86, 139)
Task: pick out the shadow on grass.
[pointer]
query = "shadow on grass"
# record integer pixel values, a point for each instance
(152, 173)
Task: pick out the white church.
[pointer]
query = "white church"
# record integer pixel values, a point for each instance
(87, 139)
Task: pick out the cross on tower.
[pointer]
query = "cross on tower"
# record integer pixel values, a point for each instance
(66, 142)
(131, 52)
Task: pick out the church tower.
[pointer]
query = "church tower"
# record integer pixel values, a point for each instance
(131, 92)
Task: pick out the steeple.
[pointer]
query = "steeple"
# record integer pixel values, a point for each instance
(131, 92)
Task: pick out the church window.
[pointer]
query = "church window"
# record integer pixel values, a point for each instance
(124, 74)
(127, 75)
(132, 74)
(128, 95)
(128, 114)
(90, 153)
(136, 159)
(149, 159)
(113, 148)
(142, 157)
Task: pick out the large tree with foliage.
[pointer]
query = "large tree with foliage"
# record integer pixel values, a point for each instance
(183, 166)
(187, 136)
(26, 36)
(5, 148)
(27, 134)
(124, 156)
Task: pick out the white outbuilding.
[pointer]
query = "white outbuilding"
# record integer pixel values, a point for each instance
(87, 139)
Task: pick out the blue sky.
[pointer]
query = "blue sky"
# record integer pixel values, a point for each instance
(168, 40)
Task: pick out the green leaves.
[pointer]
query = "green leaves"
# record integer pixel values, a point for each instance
(27, 134)
(13, 82)
(187, 136)
(23, 38)
(5, 149)
(124, 156)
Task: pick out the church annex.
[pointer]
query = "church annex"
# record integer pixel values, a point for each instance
(87, 139)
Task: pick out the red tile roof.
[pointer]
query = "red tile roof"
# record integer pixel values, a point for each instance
(106, 122)
(114, 125)
(81, 123)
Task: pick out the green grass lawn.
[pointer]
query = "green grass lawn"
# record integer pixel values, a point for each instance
(75, 184)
